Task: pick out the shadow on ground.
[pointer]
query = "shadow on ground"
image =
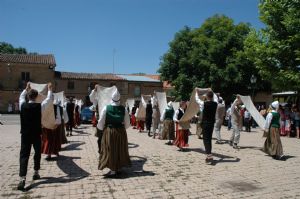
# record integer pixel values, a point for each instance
(69, 167)
(222, 158)
(73, 146)
(136, 169)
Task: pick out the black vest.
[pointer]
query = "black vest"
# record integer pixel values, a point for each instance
(180, 114)
(60, 111)
(31, 118)
(209, 111)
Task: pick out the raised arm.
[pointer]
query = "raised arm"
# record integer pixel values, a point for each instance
(92, 96)
(22, 98)
(102, 118)
(48, 99)
(199, 101)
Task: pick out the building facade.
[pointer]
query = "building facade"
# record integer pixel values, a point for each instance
(17, 70)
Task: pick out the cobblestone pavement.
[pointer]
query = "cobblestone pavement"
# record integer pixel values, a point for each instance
(158, 170)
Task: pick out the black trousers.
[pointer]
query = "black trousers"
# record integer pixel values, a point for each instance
(247, 123)
(207, 129)
(99, 134)
(26, 142)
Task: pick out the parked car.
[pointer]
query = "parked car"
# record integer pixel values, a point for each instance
(86, 115)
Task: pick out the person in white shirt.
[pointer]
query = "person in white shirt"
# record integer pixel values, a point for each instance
(182, 134)
(236, 122)
(31, 122)
(113, 121)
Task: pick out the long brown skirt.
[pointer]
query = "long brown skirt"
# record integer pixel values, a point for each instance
(273, 144)
(168, 132)
(114, 149)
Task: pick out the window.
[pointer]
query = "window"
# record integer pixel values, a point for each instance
(71, 85)
(137, 91)
(25, 76)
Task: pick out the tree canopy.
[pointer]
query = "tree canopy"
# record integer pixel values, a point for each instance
(6, 48)
(275, 49)
(210, 56)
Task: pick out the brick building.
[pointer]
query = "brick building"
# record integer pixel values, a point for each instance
(16, 70)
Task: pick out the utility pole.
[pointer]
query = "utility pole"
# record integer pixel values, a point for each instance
(114, 52)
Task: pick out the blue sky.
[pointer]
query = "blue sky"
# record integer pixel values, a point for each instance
(82, 34)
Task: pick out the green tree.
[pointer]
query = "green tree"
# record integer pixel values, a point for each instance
(210, 56)
(275, 49)
(6, 48)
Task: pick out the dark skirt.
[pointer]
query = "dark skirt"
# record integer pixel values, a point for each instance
(273, 144)
(62, 134)
(168, 132)
(77, 119)
(51, 141)
(114, 149)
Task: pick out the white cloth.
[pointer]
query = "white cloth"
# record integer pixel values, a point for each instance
(162, 101)
(45, 98)
(58, 117)
(102, 97)
(102, 117)
(59, 97)
(141, 111)
(130, 104)
(260, 120)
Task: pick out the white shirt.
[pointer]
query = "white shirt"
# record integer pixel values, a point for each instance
(269, 120)
(176, 114)
(102, 117)
(93, 98)
(44, 103)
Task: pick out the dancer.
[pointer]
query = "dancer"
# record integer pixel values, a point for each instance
(220, 113)
(140, 122)
(168, 132)
(70, 110)
(273, 145)
(51, 137)
(114, 121)
(31, 116)
(182, 134)
(148, 119)
(208, 119)
(235, 122)
(155, 118)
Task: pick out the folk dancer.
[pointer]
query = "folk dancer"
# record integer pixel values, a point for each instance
(209, 108)
(114, 121)
(51, 140)
(182, 134)
(70, 111)
(168, 132)
(94, 100)
(31, 116)
(220, 114)
(148, 119)
(273, 145)
(155, 118)
(235, 122)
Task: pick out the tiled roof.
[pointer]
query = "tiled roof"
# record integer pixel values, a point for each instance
(138, 78)
(28, 59)
(92, 76)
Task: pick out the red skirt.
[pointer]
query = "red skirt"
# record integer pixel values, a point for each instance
(182, 137)
(140, 125)
(51, 141)
(94, 120)
(133, 120)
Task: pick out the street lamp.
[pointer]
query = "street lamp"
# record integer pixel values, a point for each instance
(253, 82)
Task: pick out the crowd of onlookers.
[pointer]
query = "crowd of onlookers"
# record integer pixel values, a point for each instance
(289, 119)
